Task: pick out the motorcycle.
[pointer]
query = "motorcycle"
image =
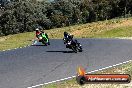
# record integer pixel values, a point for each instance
(43, 38)
(74, 45)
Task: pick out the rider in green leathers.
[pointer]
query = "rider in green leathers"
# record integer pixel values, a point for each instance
(41, 34)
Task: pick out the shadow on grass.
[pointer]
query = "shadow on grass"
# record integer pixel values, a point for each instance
(61, 51)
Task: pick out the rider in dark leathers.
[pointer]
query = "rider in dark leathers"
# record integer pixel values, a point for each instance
(68, 38)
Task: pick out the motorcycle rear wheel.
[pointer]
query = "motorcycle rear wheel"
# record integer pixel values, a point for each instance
(74, 49)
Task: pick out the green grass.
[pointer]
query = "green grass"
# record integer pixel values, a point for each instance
(101, 29)
(17, 40)
(121, 69)
(116, 32)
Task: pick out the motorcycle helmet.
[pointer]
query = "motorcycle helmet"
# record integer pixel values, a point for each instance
(65, 34)
(36, 29)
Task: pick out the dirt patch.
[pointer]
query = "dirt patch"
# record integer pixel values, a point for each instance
(99, 27)
(4, 38)
(122, 24)
(77, 33)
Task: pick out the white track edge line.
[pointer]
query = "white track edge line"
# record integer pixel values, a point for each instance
(75, 76)
(17, 48)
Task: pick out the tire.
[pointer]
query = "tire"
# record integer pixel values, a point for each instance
(48, 43)
(45, 44)
(74, 49)
(80, 49)
(43, 41)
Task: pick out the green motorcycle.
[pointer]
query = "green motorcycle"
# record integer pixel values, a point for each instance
(44, 39)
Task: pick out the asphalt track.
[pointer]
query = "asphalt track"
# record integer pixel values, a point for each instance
(25, 67)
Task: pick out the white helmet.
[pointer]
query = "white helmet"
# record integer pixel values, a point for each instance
(37, 29)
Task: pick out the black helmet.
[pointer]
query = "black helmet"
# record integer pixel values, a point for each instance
(65, 33)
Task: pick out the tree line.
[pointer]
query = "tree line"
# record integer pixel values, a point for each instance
(20, 16)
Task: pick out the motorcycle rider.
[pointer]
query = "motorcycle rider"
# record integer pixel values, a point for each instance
(39, 34)
(68, 38)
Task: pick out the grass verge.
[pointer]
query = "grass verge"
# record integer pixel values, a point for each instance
(101, 29)
(15, 41)
(121, 69)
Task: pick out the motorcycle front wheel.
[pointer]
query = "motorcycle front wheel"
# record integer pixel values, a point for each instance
(80, 49)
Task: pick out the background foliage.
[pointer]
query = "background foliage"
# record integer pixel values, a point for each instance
(18, 16)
